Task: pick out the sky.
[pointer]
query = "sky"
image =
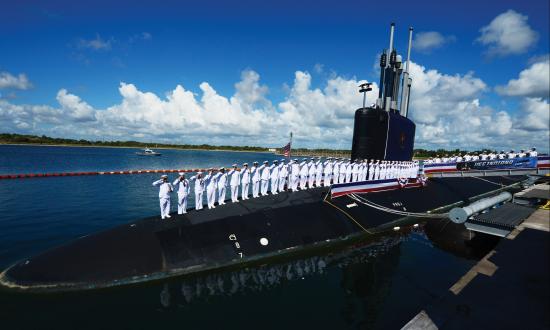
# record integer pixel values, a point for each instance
(250, 72)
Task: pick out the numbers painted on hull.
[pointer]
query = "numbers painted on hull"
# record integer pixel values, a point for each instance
(233, 237)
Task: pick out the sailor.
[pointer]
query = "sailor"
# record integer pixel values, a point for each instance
(355, 171)
(199, 189)
(234, 181)
(533, 152)
(264, 176)
(283, 175)
(255, 173)
(211, 183)
(342, 168)
(522, 153)
(328, 172)
(165, 188)
(364, 170)
(311, 170)
(511, 154)
(274, 175)
(221, 179)
(336, 171)
(318, 172)
(182, 186)
(303, 174)
(294, 174)
(349, 171)
(245, 180)
(371, 170)
(483, 156)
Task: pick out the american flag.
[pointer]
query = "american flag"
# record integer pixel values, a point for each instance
(286, 150)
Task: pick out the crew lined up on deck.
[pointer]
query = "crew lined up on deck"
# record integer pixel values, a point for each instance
(482, 156)
(294, 176)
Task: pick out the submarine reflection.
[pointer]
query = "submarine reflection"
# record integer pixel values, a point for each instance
(271, 276)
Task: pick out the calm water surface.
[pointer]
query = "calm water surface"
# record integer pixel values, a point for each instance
(379, 285)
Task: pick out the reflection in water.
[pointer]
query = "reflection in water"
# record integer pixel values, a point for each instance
(270, 276)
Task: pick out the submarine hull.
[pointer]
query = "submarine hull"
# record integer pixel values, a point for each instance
(234, 235)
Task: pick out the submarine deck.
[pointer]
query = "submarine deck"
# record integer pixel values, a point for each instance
(230, 234)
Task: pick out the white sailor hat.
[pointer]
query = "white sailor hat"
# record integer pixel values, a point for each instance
(312, 158)
(164, 176)
(222, 168)
(234, 165)
(304, 159)
(275, 161)
(255, 163)
(245, 164)
(199, 173)
(282, 160)
(266, 162)
(295, 159)
(181, 173)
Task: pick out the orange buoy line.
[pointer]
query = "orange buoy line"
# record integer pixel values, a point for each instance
(47, 175)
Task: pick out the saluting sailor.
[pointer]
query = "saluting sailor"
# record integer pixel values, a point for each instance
(182, 186)
(318, 172)
(255, 179)
(245, 174)
(210, 180)
(274, 168)
(234, 181)
(328, 172)
(311, 172)
(199, 189)
(283, 175)
(294, 173)
(221, 177)
(355, 171)
(303, 174)
(264, 170)
(165, 188)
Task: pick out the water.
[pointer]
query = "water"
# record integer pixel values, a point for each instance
(381, 285)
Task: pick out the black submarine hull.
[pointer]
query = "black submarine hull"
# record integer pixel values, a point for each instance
(235, 235)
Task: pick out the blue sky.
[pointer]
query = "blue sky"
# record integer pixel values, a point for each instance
(88, 50)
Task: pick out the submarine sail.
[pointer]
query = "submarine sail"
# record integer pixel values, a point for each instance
(383, 131)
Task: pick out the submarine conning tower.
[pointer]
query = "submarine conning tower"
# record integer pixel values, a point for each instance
(383, 131)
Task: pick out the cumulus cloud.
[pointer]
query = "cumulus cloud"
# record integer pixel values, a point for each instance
(508, 34)
(7, 80)
(97, 43)
(446, 108)
(533, 81)
(425, 42)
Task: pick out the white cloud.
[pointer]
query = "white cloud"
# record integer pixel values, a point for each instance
(7, 80)
(508, 34)
(97, 43)
(425, 42)
(446, 116)
(533, 81)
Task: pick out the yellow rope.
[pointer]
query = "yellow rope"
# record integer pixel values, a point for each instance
(347, 214)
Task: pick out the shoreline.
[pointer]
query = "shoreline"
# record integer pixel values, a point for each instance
(123, 147)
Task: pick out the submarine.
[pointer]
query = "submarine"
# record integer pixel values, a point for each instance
(272, 228)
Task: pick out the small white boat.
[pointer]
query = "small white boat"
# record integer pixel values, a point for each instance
(148, 152)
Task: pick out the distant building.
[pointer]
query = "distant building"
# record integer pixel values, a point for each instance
(272, 149)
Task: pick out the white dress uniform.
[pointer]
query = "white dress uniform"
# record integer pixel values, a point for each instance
(349, 171)
(221, 177)
(355, 172)
(245, 180)
(336, 172)
(182, 187)
(165, 188)
(371, 171)
(294, 175)
(234, 182)
(274, 175)
(255, 172)
(377, 170)
(303, 174)
(264, 170)
(342, 168)
(210, 180)
(199, 189)
(328, 173)
(318, 173)
(283, 175)
(311, 173)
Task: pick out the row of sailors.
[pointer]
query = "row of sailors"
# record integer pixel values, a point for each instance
(294, 175)
(483, 156)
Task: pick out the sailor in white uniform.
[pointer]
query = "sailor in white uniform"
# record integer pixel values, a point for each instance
(349, 171)
(311, 170)
(303, 174)
(199, 189)
(371, 170)
(283, 175)
(221, 179)
(336, 171)
(255, 173)
(211, 183)
(318, 172)
(328, 172)
(342, 170)
(234, 182)
(274, 175)
(165, 188)
(294, 174)
(245, 174)
(182, 187)
(533, 152)
(264, 176)
(377, 166)
(355, 171)
(511, 154)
